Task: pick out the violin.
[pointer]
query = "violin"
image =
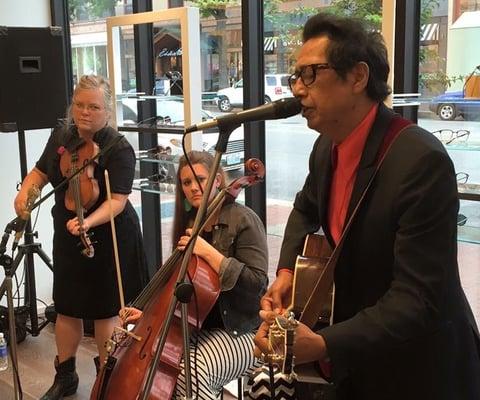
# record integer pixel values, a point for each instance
(83, 189)
(131, 353)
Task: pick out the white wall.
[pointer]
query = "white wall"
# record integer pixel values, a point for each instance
(462, 50)
(27, 13)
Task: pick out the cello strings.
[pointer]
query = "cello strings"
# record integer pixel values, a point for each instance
(165, 271)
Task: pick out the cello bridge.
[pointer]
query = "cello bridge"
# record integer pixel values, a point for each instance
(128, 333)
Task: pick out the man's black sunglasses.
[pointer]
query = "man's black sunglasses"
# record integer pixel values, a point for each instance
(307, 74)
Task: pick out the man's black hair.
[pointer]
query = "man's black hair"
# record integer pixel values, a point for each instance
(351, 42)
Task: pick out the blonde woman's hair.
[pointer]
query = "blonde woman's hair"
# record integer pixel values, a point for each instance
(93, 82)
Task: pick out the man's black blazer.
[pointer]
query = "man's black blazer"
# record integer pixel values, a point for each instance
(402, 326)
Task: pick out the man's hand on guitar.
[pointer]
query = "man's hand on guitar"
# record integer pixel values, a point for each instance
(308, 346)
(279, 294)
(261, 341)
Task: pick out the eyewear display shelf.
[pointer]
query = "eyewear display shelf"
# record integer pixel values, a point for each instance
(164, 181)
(468, 192)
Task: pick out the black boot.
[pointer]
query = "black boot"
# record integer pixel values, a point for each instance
(66, 380)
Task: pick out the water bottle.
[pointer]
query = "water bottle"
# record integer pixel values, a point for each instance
(3, 353)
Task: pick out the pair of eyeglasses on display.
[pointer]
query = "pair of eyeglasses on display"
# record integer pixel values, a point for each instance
(461, 219)
(466, 187)
(466, 191)
(162, 176)
(462, 177)
(449, 136)
(159, 182)
(158, 152)
(157, 121)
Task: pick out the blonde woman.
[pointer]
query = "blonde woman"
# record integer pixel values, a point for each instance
(85, 287)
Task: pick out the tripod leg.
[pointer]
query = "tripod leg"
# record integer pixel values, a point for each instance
(44, 257)
(31, 293)
(13, 333)
(30, 289)
(35, 326)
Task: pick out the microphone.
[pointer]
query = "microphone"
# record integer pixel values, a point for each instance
(282, 108)
(21, 221)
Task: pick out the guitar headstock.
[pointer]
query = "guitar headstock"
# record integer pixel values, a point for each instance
(281, 339)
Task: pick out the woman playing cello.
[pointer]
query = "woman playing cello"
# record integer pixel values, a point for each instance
(84, 277)
(234, 244)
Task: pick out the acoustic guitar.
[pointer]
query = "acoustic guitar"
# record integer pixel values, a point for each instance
(309, 271)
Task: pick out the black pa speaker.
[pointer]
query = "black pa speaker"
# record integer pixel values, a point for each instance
(33, 89)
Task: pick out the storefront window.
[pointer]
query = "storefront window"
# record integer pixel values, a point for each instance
(450, 97)
(450, 108)
(220, 66)
(289, 141)
(89, 37)
(90, 10)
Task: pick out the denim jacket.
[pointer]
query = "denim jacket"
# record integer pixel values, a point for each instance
(240, 236)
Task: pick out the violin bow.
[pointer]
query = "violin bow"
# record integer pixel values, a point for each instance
(117, 260)
(114, 241)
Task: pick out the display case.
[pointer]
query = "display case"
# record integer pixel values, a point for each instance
(163, 178)
(464, 151)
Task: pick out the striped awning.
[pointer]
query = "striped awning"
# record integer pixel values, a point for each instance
(429, 33)
(269, 44)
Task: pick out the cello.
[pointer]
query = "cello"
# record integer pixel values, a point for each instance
(131, 353)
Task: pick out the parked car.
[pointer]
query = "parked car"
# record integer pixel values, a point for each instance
(276, 87)
(162, 87)
(170, 113)
(450, 105)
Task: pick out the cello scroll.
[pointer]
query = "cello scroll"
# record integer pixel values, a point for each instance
(254, 173)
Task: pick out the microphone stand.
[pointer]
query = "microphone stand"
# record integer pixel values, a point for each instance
(184, 290)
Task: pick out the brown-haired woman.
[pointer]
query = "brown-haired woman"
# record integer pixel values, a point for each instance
(234, 245)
